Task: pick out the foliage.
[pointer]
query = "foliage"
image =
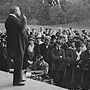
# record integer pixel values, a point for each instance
(56, 14)
(44, 12)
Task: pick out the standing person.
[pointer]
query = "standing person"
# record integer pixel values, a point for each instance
(86, 68)
(45, 50)
(70, 64)
(16, 42)
(58, 64)
(78, 56)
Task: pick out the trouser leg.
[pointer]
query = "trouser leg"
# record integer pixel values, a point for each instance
(17, 76)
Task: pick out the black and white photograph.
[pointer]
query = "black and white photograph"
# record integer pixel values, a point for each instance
(44, 44)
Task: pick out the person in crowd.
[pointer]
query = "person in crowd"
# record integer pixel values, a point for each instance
(65, 35)
(40, 64)
(28, 30)
(50, 32)
(45, 50)
(46, 32)
(70, 64)
(64, 44)
(78, 56)
(86, 67)
(53, 41)
(16, 42)
(58, 64)
(33, 32)
(39, 38)
(59, 32)
(32, 51)
(41, 30)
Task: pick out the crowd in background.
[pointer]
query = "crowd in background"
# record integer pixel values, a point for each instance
(67, 53)
(64, 55)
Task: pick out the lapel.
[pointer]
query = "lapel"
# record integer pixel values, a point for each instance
(79, 55)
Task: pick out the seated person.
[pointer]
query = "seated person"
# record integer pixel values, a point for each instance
(40, 64)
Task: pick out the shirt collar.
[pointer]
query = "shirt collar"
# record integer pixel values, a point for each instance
(13, 15)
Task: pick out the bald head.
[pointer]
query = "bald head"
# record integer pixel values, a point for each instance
(15, 10)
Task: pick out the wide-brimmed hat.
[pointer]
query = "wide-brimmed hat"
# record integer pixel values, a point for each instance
(47, 38)
(30, 37)
(39, 35)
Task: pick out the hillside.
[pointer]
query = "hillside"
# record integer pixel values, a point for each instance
(77, 26)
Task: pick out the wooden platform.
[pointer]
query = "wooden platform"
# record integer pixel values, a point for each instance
(6, 84)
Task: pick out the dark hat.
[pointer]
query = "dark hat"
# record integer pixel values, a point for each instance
(64, 30)
(30, 37)
(80, 38)
(59, 42)
(78, 44)
(53, 37)
(83, 30)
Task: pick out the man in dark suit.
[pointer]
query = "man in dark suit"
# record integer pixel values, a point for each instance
(16, 42)
(45, 50)
(58, 64)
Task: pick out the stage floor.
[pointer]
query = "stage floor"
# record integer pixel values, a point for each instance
(6, 84)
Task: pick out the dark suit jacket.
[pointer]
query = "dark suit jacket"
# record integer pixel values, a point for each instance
(46, 53)
(58, 63)
(86, 60)
(16, 37)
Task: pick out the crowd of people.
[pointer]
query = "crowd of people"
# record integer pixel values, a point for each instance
(66, 52)
(63, 55)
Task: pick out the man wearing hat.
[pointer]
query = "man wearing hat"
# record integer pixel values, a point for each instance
(70, 64)
(45, 50)
(58, 64)
(39, 38)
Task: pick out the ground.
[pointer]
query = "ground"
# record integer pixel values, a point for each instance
(6, 80)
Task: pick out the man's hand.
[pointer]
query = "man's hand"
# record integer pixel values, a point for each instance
(24, 18)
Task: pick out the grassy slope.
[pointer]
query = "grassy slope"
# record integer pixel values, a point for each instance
(78, 26)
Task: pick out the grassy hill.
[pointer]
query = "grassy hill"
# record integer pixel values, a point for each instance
(77, 26)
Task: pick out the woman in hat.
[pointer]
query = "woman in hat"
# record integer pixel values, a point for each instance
(86, 68)
(78, 56)
(32, 51)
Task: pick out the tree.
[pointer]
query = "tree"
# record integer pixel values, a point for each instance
(56, 14)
